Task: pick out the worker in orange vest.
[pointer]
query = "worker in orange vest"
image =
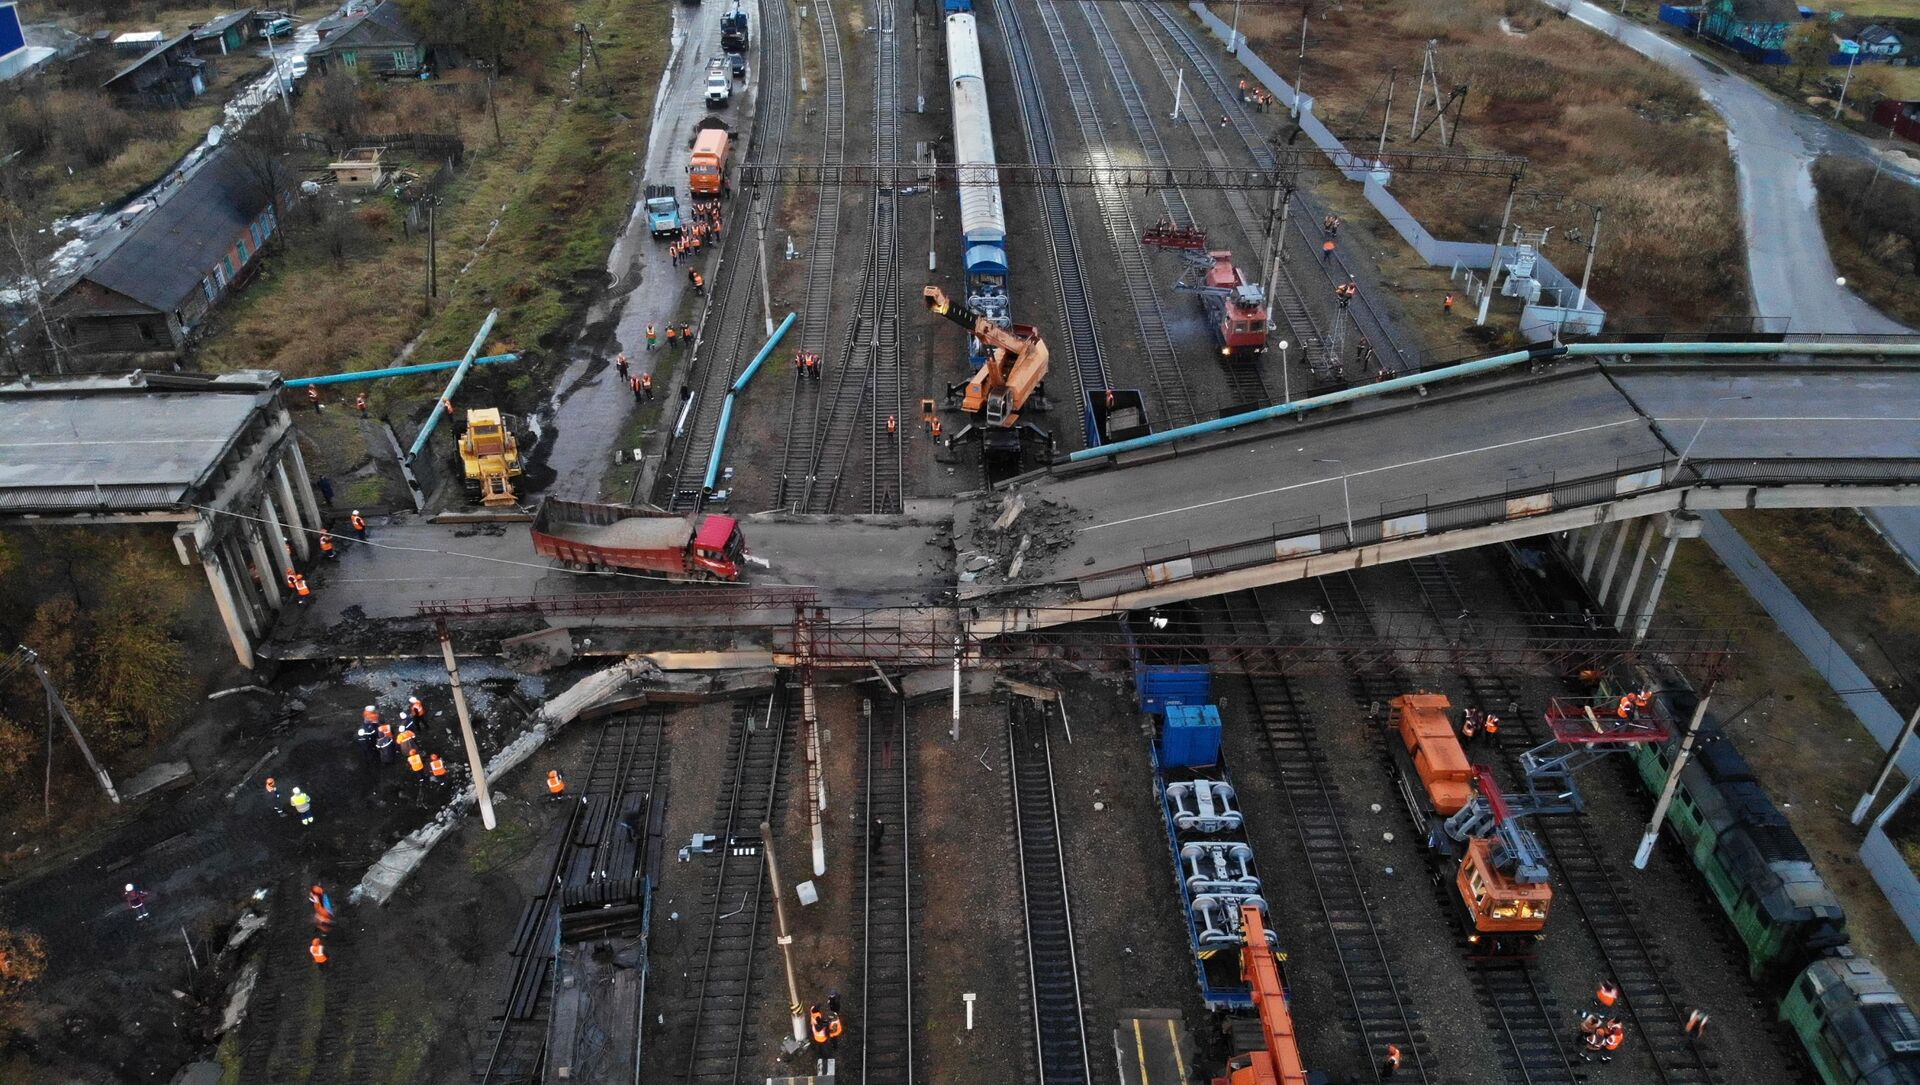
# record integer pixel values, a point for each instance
(318, 951)
(383, 743)
(1446, 305)
(817, 1025)
(415, 709)
(297, 584)
(1607, 994)
(416, 762)
(359, 525)
(1326, 248)
(404, 740)
(1390, 1064)
(933, 428)
(650, 337)
(646, 385)
(322, 908)
(437, 766)
(893, 426)
(1625, 706)
(698, 280)
(1642, 700)
(326, 545)
(556, 787)
(273, 797)
(313, 397)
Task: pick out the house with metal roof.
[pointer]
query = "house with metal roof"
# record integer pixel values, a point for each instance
(226, 32)
(151, 280)
(171, 73)
(377, 41)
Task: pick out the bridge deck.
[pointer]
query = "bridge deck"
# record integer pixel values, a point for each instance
(1470, 453)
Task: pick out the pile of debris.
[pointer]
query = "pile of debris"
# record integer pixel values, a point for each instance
(1017, 532)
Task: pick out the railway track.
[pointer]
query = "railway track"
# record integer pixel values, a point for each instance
(1380, 1012)
(800, 461)
(1532, 1029)
(1088, 357)
(1589, 883)
(866, 384)
(733, 889)
(627, 758)
(1371, 683)
(886, 929)
(1053, 967)
(728, 315)
(1174, 400)
(1392, 353)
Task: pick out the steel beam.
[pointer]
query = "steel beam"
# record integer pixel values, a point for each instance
(898, 175)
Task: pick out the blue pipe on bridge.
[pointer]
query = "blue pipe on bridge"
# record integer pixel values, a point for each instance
(396, 371)
(453, 385)
(726, 407)
(1474, 368)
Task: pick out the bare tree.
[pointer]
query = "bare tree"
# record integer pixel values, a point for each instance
(341, 107)
(263, 149)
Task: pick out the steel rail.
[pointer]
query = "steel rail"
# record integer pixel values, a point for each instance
(1053, 966)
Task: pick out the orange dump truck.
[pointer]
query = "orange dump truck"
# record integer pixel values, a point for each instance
(707, 165)
(584, 535)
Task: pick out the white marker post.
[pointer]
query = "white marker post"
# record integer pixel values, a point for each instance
(969, 997)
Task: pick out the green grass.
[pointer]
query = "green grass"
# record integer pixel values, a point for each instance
(1883, 9)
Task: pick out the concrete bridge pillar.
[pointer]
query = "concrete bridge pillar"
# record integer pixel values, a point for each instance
(1678, 526)
(1633, 573)
(299, 528)
(1623, 529)
(276, 537)
(224, 598)
(266, 567)
(302, 485)
(1596, 538)
(252, 607)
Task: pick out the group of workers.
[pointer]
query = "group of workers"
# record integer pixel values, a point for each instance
(1346, 292)
(1637, 703)
(1475, 722)
(694, 237)
(322, 922)
(676, 336)
(1601, 1032)
(825, 1025)
(384, 743)
(298, 801)
(1257, 96)
(807, 364)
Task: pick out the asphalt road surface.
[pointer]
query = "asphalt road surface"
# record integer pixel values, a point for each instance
(1774, 146)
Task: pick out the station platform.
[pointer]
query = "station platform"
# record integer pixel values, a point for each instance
(1153, 1047)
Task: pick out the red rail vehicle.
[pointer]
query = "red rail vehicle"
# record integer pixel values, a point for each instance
(589, 536)
(1236, 309)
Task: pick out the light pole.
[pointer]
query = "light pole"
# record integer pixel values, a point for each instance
(1286, 379)
(1698, 430)
(1346, 495)
(1233, 38)
(1852, 59)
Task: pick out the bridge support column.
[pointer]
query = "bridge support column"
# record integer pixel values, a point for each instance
(296, 525)
(1595, 538)
(252, 609)
(276, 537)
(1679, 526)
(1633, 573)
(1624, 529)
(302, 485)
(269, 572)
(223, 597)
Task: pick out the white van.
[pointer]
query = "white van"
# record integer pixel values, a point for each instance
(719, 83)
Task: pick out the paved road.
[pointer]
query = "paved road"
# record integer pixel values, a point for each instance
(1774, 147)
(590, 409)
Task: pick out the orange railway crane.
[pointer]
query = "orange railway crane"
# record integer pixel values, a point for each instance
(1281, 1063)
(1007, 383)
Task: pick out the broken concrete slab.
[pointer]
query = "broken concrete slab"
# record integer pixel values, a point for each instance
(159, 777)
(937, 682)
(540, 651)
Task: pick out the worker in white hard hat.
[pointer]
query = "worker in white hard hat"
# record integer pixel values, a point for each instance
(303, 806)
(359, 525)
(136, 900)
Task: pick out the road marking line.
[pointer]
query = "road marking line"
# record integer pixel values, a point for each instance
(1351, 475)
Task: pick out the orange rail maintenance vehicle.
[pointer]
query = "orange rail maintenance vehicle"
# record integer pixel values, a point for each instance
(1499, 877)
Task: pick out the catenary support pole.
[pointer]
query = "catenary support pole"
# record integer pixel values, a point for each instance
(1673, 781)
(780, 931)
(60, 707)
(1886, 769)
(1493, 270)
(477, 767)
(956, 689)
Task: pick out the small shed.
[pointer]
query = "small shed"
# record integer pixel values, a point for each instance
(1879, 40)
(170, 74)
(226, 32)
(359, 168)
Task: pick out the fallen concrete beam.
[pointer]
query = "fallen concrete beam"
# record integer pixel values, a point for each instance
(391, 870)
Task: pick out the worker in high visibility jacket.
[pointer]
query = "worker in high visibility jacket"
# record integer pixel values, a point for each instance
(1607, 993)
(371, 715)
(360, 404)
(817, 1025)
(318, 951)
(1642, 700)
(303, 806)
(672, 335)
(322, 907)
(326, 545)
(416, 709)
(437, 766)
(383, 742)
(297, 584)
(416, 762)
(650, 337)
(556, 787)
(835, 1029)
(404, 740)
(646, 385)
(359, 525)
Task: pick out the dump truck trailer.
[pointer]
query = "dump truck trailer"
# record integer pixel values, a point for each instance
(587, 536)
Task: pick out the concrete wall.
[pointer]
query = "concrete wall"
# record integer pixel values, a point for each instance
(1895, 878)
(1435, 252)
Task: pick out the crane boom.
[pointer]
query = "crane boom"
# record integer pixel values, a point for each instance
(1016, 362)
(1280, 1063)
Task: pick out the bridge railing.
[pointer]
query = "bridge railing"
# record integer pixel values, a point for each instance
(1416, 515)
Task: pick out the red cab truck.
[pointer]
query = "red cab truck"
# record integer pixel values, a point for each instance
(584, 535)
(707, 164)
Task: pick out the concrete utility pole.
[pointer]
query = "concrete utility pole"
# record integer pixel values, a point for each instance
(1300, 76)
(1593, 245)
(1673, 781)
(1493, 271)
(766, 292)
(474, 764)
(780, 931)
(1233, 38)
(58, 706)
(1886, 768)
(956, 689)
